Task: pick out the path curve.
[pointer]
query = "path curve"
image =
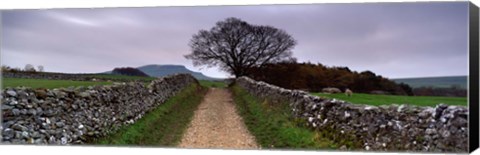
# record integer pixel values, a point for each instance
(216, 124)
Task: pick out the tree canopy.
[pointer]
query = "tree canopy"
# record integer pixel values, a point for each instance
(235, 46)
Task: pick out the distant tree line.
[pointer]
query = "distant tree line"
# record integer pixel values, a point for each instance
(27, 68)
(314, 77)
(129, 71)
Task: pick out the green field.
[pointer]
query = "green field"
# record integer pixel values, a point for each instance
(217, 84)
(162, 126)
(438, 82)
(122, 77)
(376, 100)
(48, 84)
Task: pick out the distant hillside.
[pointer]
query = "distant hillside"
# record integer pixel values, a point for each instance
(164, 70)
(128, 71)
(439, 82)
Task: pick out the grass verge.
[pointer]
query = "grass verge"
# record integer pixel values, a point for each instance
(48, 84)
(273, 127)
(162, 126)
(376, 100)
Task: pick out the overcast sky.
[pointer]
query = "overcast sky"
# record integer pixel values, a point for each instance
(391, 39)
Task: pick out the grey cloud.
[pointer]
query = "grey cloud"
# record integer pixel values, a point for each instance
(391, 39)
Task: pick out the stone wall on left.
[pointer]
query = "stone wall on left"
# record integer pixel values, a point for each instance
(63, 76)
(75, 115)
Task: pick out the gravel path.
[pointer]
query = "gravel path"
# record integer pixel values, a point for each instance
(216, 124)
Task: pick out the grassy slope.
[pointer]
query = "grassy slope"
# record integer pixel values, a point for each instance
(46, 83)
(441, 82)
(273, 127)
(396, 99)
(122, 77)
(218, 84)
(162, 126)
(43, 83)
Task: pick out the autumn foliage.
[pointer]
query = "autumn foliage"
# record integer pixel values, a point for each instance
(314, 77)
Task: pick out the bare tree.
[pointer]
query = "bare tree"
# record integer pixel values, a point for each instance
(235, 46)
(29, 68)
(40, 68)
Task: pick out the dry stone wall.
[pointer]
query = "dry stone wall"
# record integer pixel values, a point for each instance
(60, 76)
(384, 128)
(75, 115)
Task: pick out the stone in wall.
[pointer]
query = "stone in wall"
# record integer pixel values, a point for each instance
(383, 128)
(75, 115)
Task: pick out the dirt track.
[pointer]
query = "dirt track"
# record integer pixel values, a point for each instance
(216, 124)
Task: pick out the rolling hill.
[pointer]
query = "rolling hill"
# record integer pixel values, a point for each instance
(440, 82)
(164, 70)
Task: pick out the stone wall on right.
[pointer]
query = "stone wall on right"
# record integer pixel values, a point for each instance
(384, 128)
